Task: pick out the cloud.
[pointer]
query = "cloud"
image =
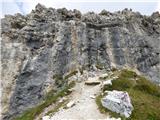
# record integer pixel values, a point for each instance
(158, 6)
(20, 6)
(25, 6)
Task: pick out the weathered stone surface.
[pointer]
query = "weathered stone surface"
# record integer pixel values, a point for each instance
(92, 81)
(103, 76)
(70, 104)
(107, 82)
(50, 42)
(119, 102)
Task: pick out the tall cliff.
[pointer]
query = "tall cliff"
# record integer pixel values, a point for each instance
(50, 41)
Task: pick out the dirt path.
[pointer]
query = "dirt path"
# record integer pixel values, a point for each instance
(85, 106)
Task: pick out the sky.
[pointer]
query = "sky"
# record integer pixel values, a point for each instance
(145, 7)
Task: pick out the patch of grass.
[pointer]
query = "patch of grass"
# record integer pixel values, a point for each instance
(57, 76)
(50, 99)
(148, 87)
(56, 108)
(59, 81)
(99, 66)
(145, 96)
(146, 106)
(114, 69)
(119, 84)
(71, 74)
(127, 74)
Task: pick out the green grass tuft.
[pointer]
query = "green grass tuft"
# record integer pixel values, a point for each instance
(148, 87)
(99, 66)
(71, 74)
(59, 81)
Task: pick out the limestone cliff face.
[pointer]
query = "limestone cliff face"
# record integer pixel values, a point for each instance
(56, 41)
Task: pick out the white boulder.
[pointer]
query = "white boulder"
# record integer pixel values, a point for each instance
(119, 102)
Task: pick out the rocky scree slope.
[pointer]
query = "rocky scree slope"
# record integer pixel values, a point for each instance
(50, 42)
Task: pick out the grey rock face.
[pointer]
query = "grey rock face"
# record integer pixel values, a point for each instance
(119, 102)
(50, 41)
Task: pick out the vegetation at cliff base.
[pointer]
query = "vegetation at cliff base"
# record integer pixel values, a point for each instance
(145, 96)
(50, 99)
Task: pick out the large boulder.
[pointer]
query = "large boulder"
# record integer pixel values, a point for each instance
(119, 102)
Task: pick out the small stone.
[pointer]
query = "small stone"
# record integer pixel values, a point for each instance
(106, 91)
(70, 104)
(107, 82)
(71, 89)
(104, 75)
(92, 96)
(115, 77)
(46, 118)
(62, 99)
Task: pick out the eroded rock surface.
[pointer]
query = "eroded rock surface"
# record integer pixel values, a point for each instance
(50, 42)
(119, 102)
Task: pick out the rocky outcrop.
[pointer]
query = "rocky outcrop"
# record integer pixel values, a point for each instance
(119, 102)
(49, 42)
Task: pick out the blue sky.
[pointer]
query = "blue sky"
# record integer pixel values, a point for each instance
(146, 7)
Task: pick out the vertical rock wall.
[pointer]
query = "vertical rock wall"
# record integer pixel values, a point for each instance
(57, 41)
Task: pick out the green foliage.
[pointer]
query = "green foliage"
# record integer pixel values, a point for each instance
(119, 84)
(99, 66)
(59, 81)
(57, 76)
(145, 96)
(148, 87)
(114, 69)
(127, 74)
(71, 74)
(50, 99)
(56, 108)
